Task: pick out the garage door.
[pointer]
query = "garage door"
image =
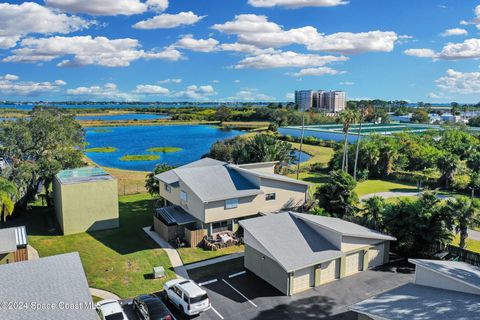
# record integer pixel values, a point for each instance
(354, 263)
(330, 271)
(303, 279)
(375, 255)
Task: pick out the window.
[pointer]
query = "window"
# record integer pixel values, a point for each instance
(270, 196)
(183, 196)
(167, 187)
(222, 226)
(231, 203)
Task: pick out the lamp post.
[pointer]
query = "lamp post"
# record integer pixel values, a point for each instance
(301, 142)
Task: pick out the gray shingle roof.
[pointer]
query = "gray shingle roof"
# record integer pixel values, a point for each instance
(290, 241)
(8, 242)
(53, 280)
(170, 176)
(213, 183)
(344, 227)
(415, 302)
(457, 270)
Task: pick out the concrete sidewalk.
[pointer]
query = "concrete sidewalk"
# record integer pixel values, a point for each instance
(175, 260)
(213, 261)
(105, 295)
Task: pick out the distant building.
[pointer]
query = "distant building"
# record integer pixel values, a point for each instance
(321, 100)
(86, 199)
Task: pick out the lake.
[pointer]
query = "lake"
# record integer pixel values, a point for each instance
(195, 141)
(123, 117)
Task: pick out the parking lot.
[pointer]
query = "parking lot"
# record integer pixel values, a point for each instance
(239, 294)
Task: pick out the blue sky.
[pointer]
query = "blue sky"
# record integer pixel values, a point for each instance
(239, 50)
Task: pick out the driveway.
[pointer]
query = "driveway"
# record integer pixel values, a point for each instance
(237, 294)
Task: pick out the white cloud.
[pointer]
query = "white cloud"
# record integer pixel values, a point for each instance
(346, 83)
(458, 82)
(290, 96)
(194, 92)
(157, 5)
(287, 59)
(296, 3)
(236, 81)
(454, 32)
(421, 53)
(86, 50)
(170, 81)
(250, 95)
(200, 45)
(109, 91)
(215, 81)
(256, 30)
(166, 21)
(17, 21)
(433, 95)
(102, 7)
(316, 72)
(10, 85)
(151, 89)
(244, 48)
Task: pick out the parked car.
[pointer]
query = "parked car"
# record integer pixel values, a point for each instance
(151, 307)
(110, 310)
(187, 296)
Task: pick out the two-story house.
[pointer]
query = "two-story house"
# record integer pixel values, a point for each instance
(210, 196)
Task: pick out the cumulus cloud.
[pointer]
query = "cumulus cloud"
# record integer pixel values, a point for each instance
(194, 92)
(17, 21)
(86, 50)
(459, 82)
(157, 5)
(296, 3)
(346, 83)
(103, 7)
(316, 72)
(468, 49)
(433, 95)
(290, 96)
(200, 45)
(250, 95)
(256, 30)
(151, 89)
(11, 85)
(454, 32)
(166, 21)
(108, 91)
(287, 59)
(170, 81)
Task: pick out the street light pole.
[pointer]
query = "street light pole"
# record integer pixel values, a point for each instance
(301, 143)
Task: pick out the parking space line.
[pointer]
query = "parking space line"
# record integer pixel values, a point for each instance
(237, 274)
(218, 313)
(208, 282)
(250, 301)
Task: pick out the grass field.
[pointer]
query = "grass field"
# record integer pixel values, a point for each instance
(139, 157)
(319, 154)
(119, 260)
(472, 245)
(191, 255)
(164, 149)
(374, 186)
(101, 149)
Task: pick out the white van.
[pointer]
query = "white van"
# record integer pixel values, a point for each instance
(187, 296)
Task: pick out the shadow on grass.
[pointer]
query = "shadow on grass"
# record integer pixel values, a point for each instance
(39, 221)
(413, 189)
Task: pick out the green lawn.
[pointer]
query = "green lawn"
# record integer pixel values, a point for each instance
(373, 186)
(191, 255)
(119, 260)
(472, 245)
(101, 149)
(319, 154)
(164, 149)
(140, 157)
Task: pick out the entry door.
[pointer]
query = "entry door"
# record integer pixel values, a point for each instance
(375, 256)
(330, 271)
(303, 279)
(354, 263)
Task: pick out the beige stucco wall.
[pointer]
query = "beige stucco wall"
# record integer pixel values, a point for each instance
(193, 205)
(87, 206)
(353, 243)
(266, 167)
(7, 258)
(429, 278)
(267, 269)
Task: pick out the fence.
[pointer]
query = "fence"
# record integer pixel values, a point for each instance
(459, 254)
(126, 187)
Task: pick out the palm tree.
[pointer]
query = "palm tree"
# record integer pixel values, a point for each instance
(448, 165)
(466, 213)
(8, 193)
(363, 114)
(347, 117)
(374, 213)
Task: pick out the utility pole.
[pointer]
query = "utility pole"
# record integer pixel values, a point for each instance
(301, 143)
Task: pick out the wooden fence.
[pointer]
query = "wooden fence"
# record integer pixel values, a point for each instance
(459, 254)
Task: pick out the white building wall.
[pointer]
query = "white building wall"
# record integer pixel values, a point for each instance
(427, 277)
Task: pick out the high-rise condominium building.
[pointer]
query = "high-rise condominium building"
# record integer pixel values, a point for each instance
(321, 100)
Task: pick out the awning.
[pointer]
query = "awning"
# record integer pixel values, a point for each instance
(174, 215)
